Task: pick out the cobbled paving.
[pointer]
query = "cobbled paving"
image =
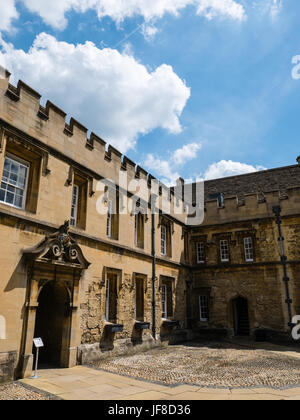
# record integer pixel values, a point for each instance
(14, 391)
(209, 365)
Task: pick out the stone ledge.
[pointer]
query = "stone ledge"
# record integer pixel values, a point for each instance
(91, 353)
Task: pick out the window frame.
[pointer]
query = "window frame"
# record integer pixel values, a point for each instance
(26, 164)
(164, 302)
(80, 181)
(166, 294)
(222, 242)
(107, 298)
(113, 217)
(139, 230)
(200, 261)
(203, 307)
(163, 242)
(75, 207)
(247, 249)
(142, 281)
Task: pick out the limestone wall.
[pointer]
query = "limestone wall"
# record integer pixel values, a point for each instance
(260, 281)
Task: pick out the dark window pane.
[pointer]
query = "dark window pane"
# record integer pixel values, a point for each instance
(10, 198)
(2, 195)
(14, 168)
(6, 164)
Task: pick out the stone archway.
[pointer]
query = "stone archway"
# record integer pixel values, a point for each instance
(55, 267)
(241, 316)
(53, 326)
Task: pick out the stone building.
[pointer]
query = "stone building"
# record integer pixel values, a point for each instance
(110, 282)
(243, 281)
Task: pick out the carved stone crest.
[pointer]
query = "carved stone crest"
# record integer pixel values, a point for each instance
(59, 247)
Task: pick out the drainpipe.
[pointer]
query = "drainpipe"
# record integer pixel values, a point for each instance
(153, 276)
(277, 212)
(189, 282)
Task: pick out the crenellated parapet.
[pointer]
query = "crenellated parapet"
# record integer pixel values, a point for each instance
(235, 198)
(252, 206)
(20, 106)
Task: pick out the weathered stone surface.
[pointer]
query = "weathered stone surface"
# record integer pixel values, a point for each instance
(7, 366)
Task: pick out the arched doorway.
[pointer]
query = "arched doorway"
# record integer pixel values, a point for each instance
(56, 267)
(53, 318)
(241, 317)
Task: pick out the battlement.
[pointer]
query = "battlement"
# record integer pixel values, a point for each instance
(21, 106)
(249, 194)
(252, 206)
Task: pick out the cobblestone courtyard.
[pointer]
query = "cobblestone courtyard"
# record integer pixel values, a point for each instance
(194, 371)
(210, 365)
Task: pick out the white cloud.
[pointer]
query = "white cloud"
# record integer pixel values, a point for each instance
(163, 168)
(53, 12)
(222, 169)
(226, 8)
(275, 8)
(7, 15)
(121, 9)
(149, 31)
(187, 152)
(270, 8)
(226, 168)
(111, 93)
(166, 168)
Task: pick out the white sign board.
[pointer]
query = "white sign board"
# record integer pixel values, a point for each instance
(38, 342)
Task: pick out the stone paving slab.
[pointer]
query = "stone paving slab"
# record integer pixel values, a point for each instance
(81, 383)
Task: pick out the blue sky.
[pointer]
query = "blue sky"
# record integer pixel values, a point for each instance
(205, 92)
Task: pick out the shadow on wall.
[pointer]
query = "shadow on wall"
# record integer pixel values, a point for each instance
(136, 336)
(18, 278)
(107, 340)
